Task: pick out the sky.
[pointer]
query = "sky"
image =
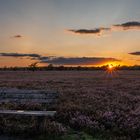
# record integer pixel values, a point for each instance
(69, 32)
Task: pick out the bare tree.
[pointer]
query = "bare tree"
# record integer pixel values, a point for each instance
(33, 66)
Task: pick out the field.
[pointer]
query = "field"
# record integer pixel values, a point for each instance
(91, 105)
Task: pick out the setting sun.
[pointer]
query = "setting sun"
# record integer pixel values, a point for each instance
(111, 66)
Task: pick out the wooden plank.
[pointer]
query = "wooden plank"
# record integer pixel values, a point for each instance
(28, 113)
(25, 91)
(27, 96)
(24, 101)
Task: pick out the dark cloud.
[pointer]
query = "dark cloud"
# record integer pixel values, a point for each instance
(118, 27)
(96, 31)
(128, 25)
(17, 36)
(44, 57)
(135, 53)
(77, 60)
(20, 55)
(61, 60)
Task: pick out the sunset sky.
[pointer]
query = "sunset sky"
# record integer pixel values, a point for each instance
(69, 32)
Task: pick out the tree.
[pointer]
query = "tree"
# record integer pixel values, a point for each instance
(33, 66)
(50, 67)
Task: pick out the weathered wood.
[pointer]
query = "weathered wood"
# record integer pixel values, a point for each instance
(28, 113)
(25, 96)
(24, 101)
(17, 96)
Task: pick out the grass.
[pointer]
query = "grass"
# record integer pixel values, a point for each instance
(72, 136)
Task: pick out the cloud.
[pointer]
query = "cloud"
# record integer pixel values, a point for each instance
(20, 55)
(18, 36)
(97, 31)
(127, 26)
(135, 53)
(61, 60)
(77, 60)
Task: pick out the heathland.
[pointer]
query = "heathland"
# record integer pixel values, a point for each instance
(91, 104)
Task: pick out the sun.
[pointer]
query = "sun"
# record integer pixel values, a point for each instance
(111, 69)
(110, 66)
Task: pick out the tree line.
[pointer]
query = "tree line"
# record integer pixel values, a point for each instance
(35, 67)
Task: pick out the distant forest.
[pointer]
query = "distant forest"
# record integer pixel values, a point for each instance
(34, 67)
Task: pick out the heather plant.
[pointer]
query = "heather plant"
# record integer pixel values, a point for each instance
(52, 127)
(89, 101)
